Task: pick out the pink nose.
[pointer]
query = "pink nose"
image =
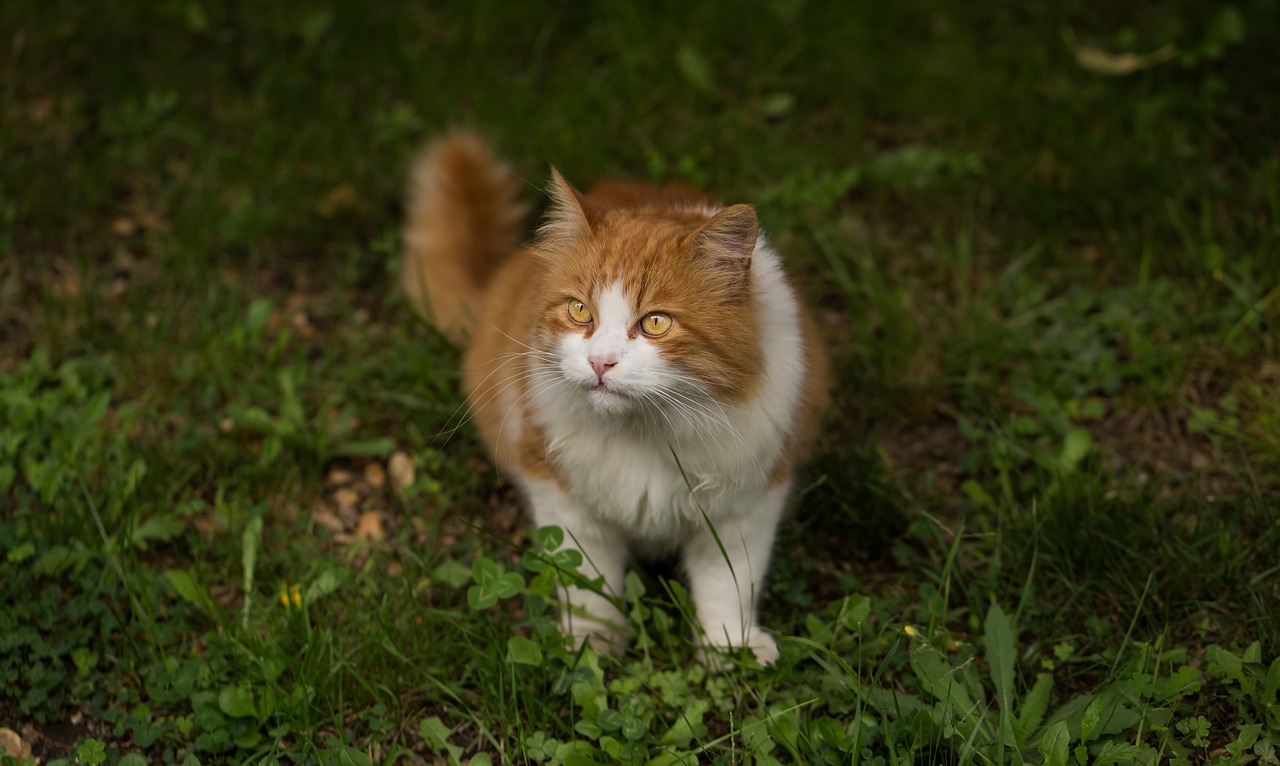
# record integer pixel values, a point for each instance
(601, 365)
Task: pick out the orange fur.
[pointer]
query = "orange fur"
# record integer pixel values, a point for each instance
(658, 241)
(463, 220)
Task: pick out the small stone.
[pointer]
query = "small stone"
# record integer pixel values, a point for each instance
(370, 527)
(374, 475)
(400, 469)
(13, 745)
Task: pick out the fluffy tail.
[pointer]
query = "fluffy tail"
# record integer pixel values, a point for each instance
(463, 219)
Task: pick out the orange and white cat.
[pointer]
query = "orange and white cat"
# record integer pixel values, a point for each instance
(643, 372)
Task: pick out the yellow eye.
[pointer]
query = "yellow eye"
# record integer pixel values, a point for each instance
(578, 311)
(657, 324)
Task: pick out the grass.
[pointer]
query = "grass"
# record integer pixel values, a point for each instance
(1044, 522)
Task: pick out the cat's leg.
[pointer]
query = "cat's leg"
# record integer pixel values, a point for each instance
(726, 584)
(584, 613)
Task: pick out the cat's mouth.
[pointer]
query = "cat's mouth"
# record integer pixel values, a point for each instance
(604, 388)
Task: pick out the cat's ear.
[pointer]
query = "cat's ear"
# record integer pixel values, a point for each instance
(729, 239)
(567, 219)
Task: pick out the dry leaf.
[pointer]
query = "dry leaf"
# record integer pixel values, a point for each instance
(328, 520)
(346, 498)
(1101, 61)
(338, 199)
(123, 226)
(339, 477)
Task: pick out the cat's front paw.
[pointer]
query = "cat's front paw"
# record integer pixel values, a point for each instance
(762, 644)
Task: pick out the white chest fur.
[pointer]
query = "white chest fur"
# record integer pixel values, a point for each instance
(654, 476)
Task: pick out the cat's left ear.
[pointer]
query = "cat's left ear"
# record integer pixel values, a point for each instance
(567, 219)
(729, 239)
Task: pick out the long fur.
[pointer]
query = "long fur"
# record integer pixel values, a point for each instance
(634, 444)
(463, 221)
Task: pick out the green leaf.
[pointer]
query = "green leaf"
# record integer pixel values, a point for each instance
(693, 65)
(1034, 705)
(59, 559)
(491, 586)
(325, 583)
(156, 529)
(91, 751)
(522, 651)
(979, 495)
(568, 559)
(1092, 714)
(21, 553)
(635, 729)
(939, 679)
(249, 540)
(1114, 752)
(256, 318)
(588, 729)
(549, 538)
(191, 591)
(379, 447)
(508, 585)
(1248, 735)
(634, 587)
(1075, 446)
(484, 571)
(455, 573)
(132, 759)
(778, 104)
(1001, 656)
(237, 702)
(349, 756)
(609, 720)
(436, 735)
(1053, 745)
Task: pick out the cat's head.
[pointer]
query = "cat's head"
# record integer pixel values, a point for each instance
(648, 305)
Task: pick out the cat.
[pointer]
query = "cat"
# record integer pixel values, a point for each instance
(643, 372)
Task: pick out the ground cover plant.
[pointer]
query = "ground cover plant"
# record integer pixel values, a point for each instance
(242, 518)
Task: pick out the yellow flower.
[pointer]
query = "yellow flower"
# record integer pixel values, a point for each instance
(290, 597)
(912, 631)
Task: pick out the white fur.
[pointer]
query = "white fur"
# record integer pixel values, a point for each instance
(651, 475)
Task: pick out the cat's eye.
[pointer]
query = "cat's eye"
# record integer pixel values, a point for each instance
(657, 324)
(578, 311)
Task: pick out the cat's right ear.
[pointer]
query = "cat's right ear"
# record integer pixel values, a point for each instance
(567, 221)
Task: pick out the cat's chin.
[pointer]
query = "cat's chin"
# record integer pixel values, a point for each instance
(608, 400)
